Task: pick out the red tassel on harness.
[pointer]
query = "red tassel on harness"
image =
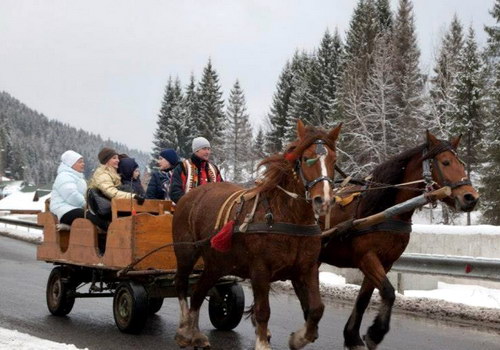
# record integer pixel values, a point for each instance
(222, 240)
(291, 157)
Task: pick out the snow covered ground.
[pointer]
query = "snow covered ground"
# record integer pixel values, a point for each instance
(470, 296)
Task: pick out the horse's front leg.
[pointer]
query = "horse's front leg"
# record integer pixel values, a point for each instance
(307, 290)
(352, 338)
(261, 309)
(376, 273)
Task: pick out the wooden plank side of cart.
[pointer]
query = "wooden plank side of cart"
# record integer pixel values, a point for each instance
(128, 238)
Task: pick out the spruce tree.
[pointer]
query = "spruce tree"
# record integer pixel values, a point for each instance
(161, 132)
(211, 114)
(468, 118)
(192, 116)
(238, 136)
(490, 173)
(445, 72)
(407, 78)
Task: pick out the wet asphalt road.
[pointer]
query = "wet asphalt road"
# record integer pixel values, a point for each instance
(91, 325)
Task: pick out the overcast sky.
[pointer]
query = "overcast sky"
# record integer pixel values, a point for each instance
(102, 65)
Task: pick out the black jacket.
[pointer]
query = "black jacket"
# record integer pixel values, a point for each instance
(159, 185)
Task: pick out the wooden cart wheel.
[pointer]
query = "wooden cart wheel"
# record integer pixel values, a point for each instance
(226, 305)
(60, 292)
(130, 307)
(155, 305)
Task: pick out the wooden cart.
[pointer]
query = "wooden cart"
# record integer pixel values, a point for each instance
(107, 263)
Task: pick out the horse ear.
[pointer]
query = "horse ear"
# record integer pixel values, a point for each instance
(431, 139)
(301, 129)
(454, 142)
(334, 133)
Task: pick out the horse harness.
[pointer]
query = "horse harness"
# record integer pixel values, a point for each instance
(240, 198)
(399, 226)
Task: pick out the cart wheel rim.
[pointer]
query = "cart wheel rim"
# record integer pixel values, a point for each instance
(55, 292)
(124, 306)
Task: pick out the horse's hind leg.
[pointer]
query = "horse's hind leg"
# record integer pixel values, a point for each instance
(352, 339)
(186, 258)
(375, 272)
(307, 290)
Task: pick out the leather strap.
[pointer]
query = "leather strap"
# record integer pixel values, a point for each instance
(282, 228)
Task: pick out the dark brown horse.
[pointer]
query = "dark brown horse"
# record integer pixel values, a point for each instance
(375, 249)
(264, 256)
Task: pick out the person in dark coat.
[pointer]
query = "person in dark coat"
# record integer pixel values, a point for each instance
(195, 171)
(159, 185)
(128, 169)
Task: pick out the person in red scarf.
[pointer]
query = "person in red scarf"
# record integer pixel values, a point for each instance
(194, 172)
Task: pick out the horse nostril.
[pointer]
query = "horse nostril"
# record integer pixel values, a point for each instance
(318, 200)
(469, 198)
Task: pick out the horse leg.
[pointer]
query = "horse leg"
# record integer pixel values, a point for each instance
(186, 258)
(352, 339)
(261, 310)
(307, 290)
(207, 280)
(375, 272)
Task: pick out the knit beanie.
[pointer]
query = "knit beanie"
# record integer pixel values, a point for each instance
(170, 155)
(70, 157)
(106, 154)
(199, 143)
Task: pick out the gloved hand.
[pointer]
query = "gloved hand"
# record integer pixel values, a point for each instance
(140, 199)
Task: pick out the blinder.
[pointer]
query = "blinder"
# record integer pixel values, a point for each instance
(320, 151)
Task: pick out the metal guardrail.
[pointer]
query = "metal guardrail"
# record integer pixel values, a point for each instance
(446, 265)
(18, 222)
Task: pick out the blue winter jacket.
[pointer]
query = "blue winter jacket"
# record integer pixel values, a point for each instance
(68, 191)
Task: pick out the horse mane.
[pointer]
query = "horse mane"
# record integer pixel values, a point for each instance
(279, 169)
(389, 172)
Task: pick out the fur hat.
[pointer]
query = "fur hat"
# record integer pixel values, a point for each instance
(70, 157)
(106, 154)
(170, 155)
(199, 143)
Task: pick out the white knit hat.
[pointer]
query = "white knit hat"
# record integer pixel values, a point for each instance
(70, 157)
(199, 143)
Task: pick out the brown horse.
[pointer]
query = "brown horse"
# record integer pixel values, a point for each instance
(375, 249)
(262, 255)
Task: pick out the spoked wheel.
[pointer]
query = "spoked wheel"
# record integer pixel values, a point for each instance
(225, 306)
(130, 307)
(60, 292)
(155, 305)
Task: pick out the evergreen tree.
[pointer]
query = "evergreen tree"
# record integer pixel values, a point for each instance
(328, 69)
(407, 78)
(160, 136)
(238, 136)
(384, 15)
(278, 116)
(468, 96)
(211, 114)
(445, 72)
(490, 191)
(192, 116)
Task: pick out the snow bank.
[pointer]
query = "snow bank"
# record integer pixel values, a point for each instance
(23, 201)
(12, 339)
(456, 229)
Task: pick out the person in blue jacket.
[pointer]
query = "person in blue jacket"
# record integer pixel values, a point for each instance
(128, 169)
(67, 200)
(159, 185)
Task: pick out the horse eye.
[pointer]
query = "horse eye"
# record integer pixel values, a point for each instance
(446, 162)
(304, 159)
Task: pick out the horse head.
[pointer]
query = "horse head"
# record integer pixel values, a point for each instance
(314, 156)
(447, 169)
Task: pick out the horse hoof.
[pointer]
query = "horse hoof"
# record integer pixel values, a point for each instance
(182, 341)
(200, 341)
(356, 347)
